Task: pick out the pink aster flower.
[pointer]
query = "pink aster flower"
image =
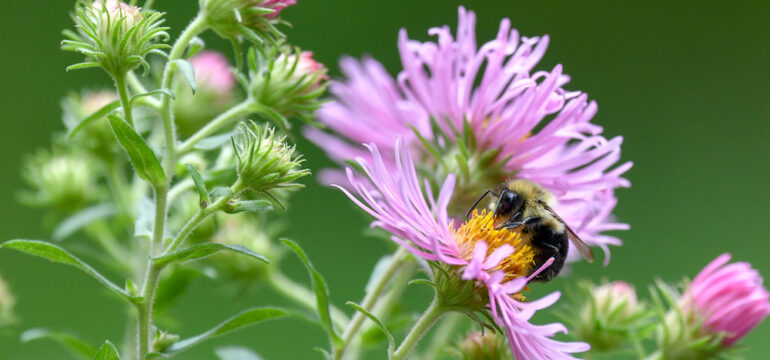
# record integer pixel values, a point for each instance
(495, 260)
(730, 298)
(277, 5)
(491, 95)
(212, 72)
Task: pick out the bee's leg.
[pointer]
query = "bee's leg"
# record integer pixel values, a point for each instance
(512, 222)
(532, 221)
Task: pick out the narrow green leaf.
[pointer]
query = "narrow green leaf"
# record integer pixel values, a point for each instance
(163, 91)
(56, 254)
(80, 219)
(236, 353)
(378, 322)
(320, 290)
(196, 45)
(98, 114)
(249, 206)
(78, 347)
(107, 352)
(199, 251)
(142, 157)
(188, 72)
(200, 185)
(244, 319)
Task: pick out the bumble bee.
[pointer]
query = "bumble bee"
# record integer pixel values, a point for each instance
(526, 207)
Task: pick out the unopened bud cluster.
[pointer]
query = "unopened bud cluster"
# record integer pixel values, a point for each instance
(115, 35)
(254, 19)
(487, 345)
(265, 162)
(289, 83)
(610, 315)
(65, 182)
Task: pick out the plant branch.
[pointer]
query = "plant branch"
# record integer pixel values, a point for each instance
(426, 321)
(244, 108)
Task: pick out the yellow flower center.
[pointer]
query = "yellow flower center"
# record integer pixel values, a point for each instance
(481, 227)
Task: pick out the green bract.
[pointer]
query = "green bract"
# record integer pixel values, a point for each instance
(253, 19)
(115, 36)
(286, 83)
(265, 163)
(486, 345)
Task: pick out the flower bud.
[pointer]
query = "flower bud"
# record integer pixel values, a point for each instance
(215, 93)
(114, 35)
(65, 182)
(163, 339)
(7, 302)
(289, 85)
(484, 346)
(97, 137)
(254, 19)
(722, 304)
(609, 315)
(265, 162)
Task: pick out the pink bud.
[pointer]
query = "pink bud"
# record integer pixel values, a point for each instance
(730, 298)
(212, 72)
(276, 5)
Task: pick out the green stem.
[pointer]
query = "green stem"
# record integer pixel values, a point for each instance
(144, 309)
(441, 335)
(426, 321)
(125, 101)
(225, 118)
(302, 296)
(370, 300)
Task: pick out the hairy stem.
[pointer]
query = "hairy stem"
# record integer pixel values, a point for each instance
(225, 118)
(125, 102)
(445, 329)
(426, 321)
(370, 300)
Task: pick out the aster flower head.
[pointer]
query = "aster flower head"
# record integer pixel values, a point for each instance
(253, 19)
(483, 114)
(212, 72)
(215, 93)
(475, 266)
(115, 36)
(62, 181)
(483, 346)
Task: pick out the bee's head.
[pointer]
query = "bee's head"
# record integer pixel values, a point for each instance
(508, 203)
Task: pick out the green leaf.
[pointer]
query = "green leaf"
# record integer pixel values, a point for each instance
(378, 322)
(220, 191)
(162, 91)
(98, 114)
(249, 206)
(142, 157)
(78, 347)
(320, 290)
(244, 319)
(203, 193)
(236, 353)
(56, 254)
(82, 218)
(199, 251)
(83, 65)
(188, 72)
(107, 352)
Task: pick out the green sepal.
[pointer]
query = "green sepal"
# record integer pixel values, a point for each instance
(200, 185)
(248, 206)
(378, 322)
(78, 347)
(142, 157)
(54, 253)
(188, 72)
(200, 251)
(107, 352)
(320, 290)
(162, 91)
(244, 319)
(81, 219)
(98, 114)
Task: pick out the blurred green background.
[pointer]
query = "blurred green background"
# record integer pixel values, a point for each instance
(686, 84)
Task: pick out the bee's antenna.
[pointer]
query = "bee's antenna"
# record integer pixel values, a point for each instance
(468, 215)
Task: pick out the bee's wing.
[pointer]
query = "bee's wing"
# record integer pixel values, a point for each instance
(579, 244)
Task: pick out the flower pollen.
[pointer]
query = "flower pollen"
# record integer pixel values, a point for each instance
(481, 227)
